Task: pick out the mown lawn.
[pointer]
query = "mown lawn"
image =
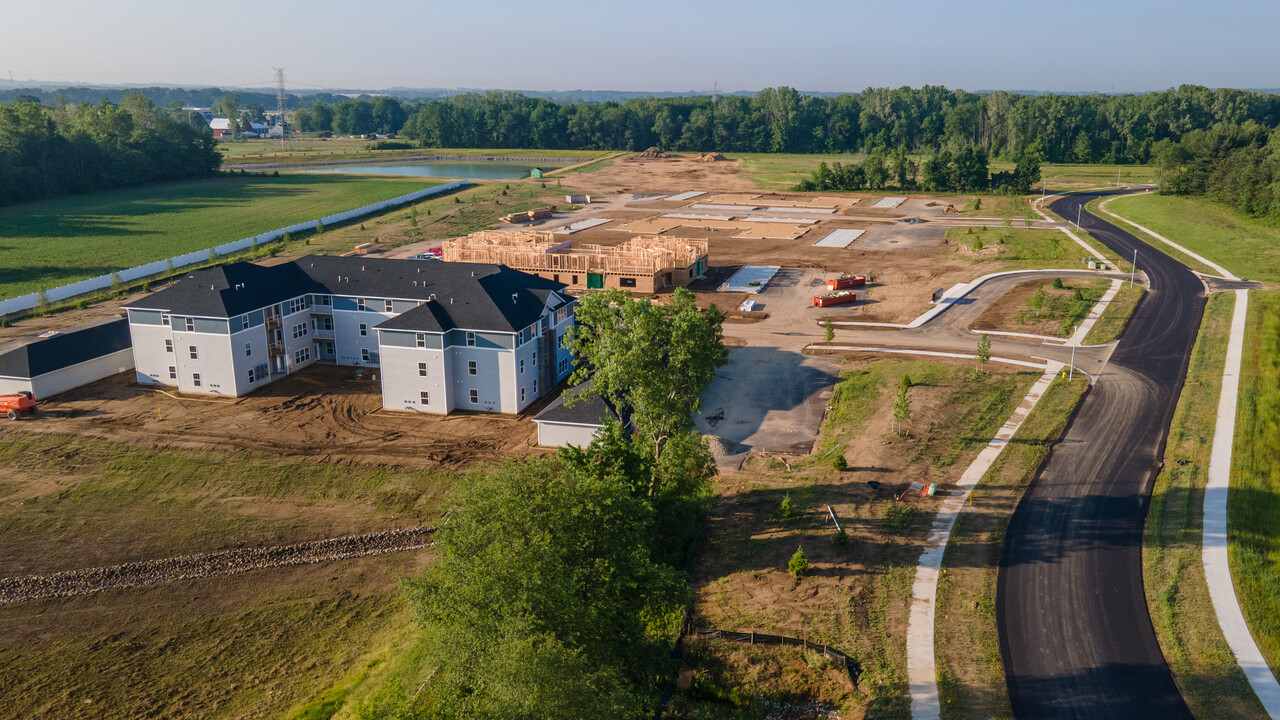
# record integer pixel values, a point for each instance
(1253, 505)
(1016, 247)
(54, 242)
(1247, 247)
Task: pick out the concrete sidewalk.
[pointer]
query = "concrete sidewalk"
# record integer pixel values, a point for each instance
(1103, 207)
(1217, 570)
(922, 673)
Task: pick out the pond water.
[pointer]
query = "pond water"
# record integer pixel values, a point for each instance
(473, 170)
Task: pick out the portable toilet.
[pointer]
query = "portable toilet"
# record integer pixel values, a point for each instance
(536, 173)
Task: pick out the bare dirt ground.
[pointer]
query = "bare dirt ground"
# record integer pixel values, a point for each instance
(676, 173)
(1012, 312)
(320, 413)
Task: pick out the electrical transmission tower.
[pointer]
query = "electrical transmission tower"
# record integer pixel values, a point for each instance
(715, 91)
(280, 104)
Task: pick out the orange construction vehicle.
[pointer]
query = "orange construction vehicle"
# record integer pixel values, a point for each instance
(19, 403)
(950, 210)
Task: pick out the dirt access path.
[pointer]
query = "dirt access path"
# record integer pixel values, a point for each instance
(321, 413)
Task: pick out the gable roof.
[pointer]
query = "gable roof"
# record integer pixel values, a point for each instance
(591, 410)
(455, 295)
(33, 357)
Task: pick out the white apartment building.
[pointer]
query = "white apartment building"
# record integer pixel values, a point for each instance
(446, 336)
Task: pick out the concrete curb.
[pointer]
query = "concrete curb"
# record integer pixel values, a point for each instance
(922, 672)
(1077, 338)
(1214, 555)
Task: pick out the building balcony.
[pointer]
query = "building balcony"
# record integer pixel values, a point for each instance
(273, 322)
(320, 334)
(275, 349)
(321, 311)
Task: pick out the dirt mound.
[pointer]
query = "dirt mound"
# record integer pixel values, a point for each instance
(712, 157)
(652, 153)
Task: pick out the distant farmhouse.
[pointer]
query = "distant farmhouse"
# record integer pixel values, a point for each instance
(446, 336)
(221, 127)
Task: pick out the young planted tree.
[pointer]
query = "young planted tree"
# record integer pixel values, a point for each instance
(829, 330)
(902, 409)
(984, 349)
(798, 564)
(1038, 300)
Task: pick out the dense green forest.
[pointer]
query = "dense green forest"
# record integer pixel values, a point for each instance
(1235, 164)
(47, 151)
(1068, 128)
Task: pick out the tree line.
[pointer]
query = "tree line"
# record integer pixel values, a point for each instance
(50, 151)
(1064, 128)
(560, 585)
(1235, 164)
(966, 170)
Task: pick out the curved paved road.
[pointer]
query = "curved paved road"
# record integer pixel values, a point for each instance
(1075, 635)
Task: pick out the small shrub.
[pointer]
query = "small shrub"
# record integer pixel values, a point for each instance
(799, 563)
(977, 205)
(4, 323)
(785, 511)
(457, 200)
(897, 518)
(840, 541)
(504, 193)
(1057, 284)
(319, 227)
(838, 463)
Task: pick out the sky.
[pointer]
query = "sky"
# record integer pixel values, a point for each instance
(652, 45)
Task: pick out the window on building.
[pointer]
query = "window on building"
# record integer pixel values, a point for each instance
(165, 319)
(360, 303)
(195, 379)
(364, 329)
(299, 330)
(575, 280)
(521, 394)
(168, 346)
(297, 305)
(535, 358)
(244, 322)
(252, 377)
(328, 348)
(424, 397)
(302, 356)
(173, 372)
(535, 387)
(471, 367)
(389, 306)
(322, 299)
(422, 369)
(562, 367)
(521, 366)
(626, 282)
(191, 324)
(475, 397)
(192, 350)
(364, 354)
(422, 340)
(563, 313)
(471, 338)
(248, 349)
(555, 278)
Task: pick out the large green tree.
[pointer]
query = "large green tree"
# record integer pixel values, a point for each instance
(653, 359)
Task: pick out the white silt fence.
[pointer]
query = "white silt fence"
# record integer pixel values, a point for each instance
(103, 282)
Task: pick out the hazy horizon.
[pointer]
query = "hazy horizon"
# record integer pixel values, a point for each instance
(663, 46)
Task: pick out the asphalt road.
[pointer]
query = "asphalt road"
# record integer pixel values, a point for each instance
(1075, 634)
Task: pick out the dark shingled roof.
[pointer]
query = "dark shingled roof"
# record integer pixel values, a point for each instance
(466, 295)
(591, 410)
(34, 357)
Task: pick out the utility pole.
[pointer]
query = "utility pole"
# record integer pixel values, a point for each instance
(1133, 269)
(1071, 374)
(1078, 209)
(1117, 177)
(1044, 184)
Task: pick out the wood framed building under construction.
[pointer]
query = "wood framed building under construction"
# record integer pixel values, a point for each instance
(643, 264)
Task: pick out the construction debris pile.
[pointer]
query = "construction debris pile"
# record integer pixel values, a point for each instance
(712, 157)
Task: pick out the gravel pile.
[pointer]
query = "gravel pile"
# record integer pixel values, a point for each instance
(227, 562)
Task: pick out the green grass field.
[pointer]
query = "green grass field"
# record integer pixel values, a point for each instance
(1253, 504)
(1247, 247)
(54, 242)
(1015, 247)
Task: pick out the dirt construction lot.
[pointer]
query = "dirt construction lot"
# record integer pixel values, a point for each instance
(321, 413)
